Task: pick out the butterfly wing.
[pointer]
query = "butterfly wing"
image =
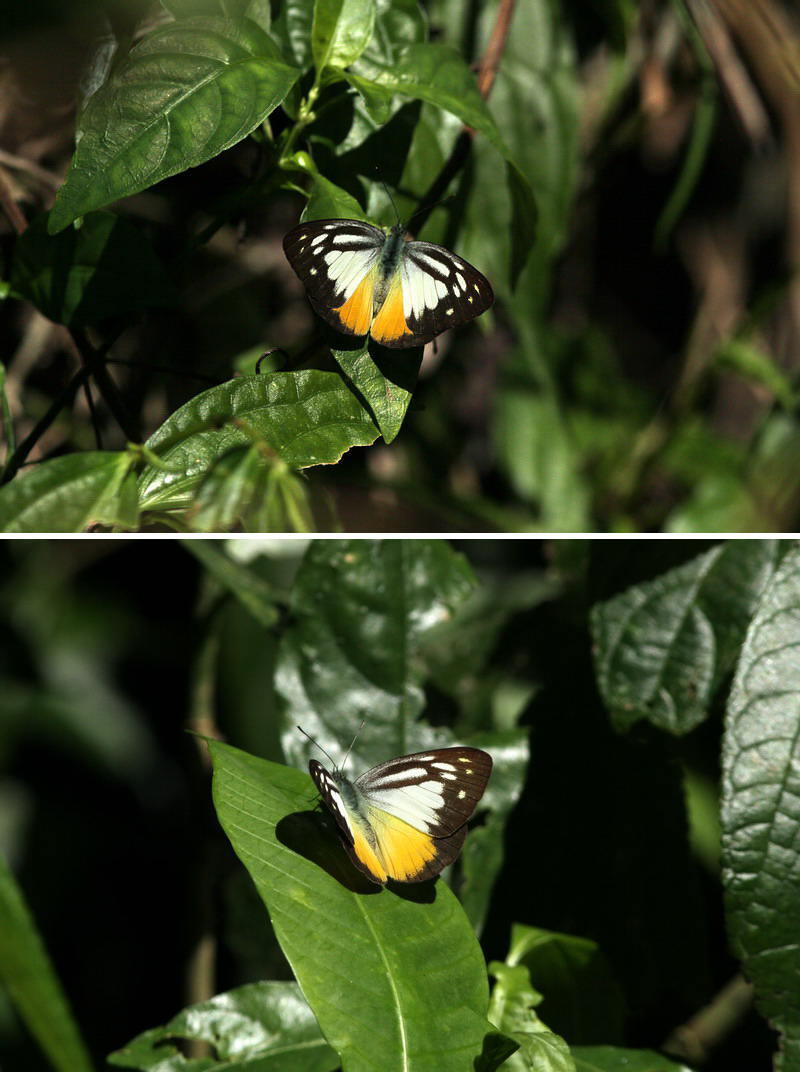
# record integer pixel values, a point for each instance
(338, 262)
(438, 290)
(407, 819)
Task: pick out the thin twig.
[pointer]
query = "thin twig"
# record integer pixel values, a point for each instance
(19, 163)
(10, 206)
(694, 1040)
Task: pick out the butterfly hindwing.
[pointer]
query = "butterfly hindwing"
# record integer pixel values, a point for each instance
(440, 290)
(407, 819)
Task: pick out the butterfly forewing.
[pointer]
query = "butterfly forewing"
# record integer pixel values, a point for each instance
(332, 258)
(435, 791)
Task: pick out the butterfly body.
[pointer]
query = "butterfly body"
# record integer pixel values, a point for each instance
(363, 280)
(406, 819)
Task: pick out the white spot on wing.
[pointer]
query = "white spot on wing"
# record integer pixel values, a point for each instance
(461, 281)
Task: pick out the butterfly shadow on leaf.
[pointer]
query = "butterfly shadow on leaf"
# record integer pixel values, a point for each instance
(309, 834)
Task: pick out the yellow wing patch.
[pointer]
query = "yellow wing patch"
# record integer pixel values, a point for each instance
(401, 850)
(390, 323)
(356, 313)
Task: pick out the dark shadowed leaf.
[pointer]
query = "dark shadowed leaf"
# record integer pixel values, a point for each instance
(663, 647)
(32, 984)
(105, 267)
(761, 805)
(361, 613)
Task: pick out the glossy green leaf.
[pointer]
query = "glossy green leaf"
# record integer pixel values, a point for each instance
(257, 10)
(307, 418)
(663, 647)
(439, 75)
(327, 201)
(70, 493)
(582, 1000)
(512, 1010)
(240, 580)
(28, 975)
(340, 31)
(187, 91)
(262, 1027)
(616, 1059)
(292, 28)
(361, 611)
(395, 978)
(83, 275)
(385, 379)
(761, 805)
(226, 493)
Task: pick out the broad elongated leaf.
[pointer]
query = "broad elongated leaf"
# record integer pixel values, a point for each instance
(263, 1027)
(307, 418)
(616, 1059)
(81, 276)
(662, 648)
(68, 494)
(761, 805)
(186, 92)
(395, 979)
(28, 975)
(340, 31)
(361, 611)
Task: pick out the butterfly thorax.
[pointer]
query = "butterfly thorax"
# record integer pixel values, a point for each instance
(391, 256)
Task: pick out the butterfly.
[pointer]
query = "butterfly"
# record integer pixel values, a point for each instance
(406, 819)
(364, 280)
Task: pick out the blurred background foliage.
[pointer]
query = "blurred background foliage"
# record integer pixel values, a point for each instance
(643, 373)
(106, 816)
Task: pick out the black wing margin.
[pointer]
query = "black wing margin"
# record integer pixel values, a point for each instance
(307, 244)
(462, 294)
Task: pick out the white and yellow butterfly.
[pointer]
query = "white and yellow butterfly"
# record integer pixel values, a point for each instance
(364, 280)
(406, 819)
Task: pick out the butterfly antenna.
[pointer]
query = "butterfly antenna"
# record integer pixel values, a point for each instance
(319, 746)
(349, 750)
(397, 217)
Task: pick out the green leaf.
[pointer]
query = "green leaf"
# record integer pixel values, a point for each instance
(83, 275)
(439, 75)
(262, 1027)
(32, 984)
(615, 1059)
(340, 31)
(241, 581)
(582, 1000)
(663, 647)
(761, 805)
(330, 202)
(396, 979)
(307, 418)
(385, 379)
(361, 611)
(226, 493)
(512, 1011)
(185, 93)
(70, 493)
